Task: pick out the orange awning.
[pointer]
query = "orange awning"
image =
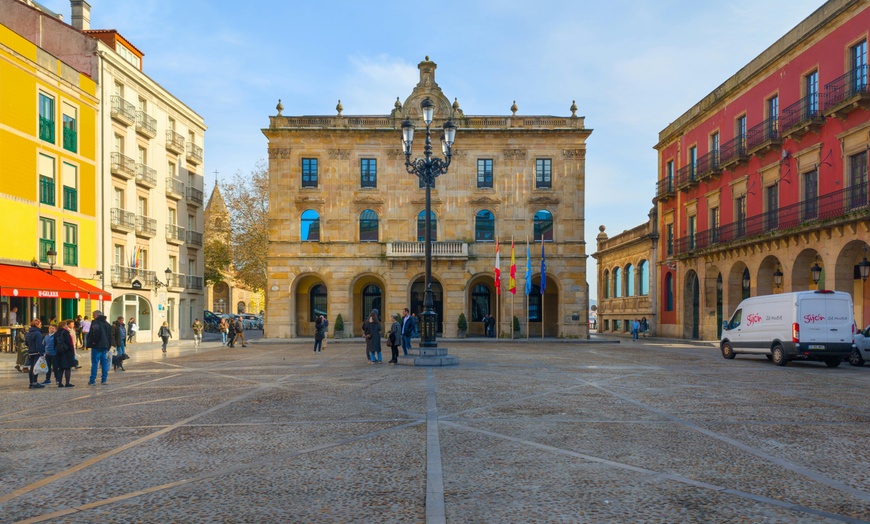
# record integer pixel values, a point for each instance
(22, 281)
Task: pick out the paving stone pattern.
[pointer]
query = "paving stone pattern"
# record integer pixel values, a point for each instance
(653, 431)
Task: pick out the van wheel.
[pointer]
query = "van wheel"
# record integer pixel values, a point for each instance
(728, 351)
(778, 355)
(833, 362)
(855, 358)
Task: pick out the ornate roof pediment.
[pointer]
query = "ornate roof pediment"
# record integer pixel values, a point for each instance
(427, 87)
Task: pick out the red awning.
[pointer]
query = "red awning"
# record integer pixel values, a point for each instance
(21, 281)
(94, 293)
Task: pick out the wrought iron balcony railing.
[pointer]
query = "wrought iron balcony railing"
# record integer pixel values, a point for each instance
(176, 280)
(123, 276)
(803, 113)
(146, 176)
(194, 153)
(833, 205)
(146, 124)
(686, 176)
(732, 151)
(123, 111)
(122, 220)
(708, 164)
(194, 283)
(174, 188)
(854, 86)
(123, 166)
(175, 234)
(763, 136)
(194, 195)
(174, 142)
(194, 238)
(145, 226)
(665, 188)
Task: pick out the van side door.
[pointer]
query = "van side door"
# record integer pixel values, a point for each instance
(812, 315)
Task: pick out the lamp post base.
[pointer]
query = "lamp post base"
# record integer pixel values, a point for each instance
(429, 357)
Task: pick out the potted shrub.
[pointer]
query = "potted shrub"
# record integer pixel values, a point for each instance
(339, 327)
(516, 327)
(462, 325)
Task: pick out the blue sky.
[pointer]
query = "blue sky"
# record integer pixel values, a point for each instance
(633, 66)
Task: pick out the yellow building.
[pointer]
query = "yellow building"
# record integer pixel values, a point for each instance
(48, 182)
(346, 220)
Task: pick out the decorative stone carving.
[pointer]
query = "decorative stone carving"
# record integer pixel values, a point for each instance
(485, 201)
(515, 153)
(458, 153)
(369, 201)
(279, 153)
(544, 200)
(574, 153)
(338, 154)
(394, 153)
(280, 107)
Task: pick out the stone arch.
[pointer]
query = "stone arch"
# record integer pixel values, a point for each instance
(301, 288)
(551, 308)
(733, 286)
(416, 295)
(801, 279)
(764, 284)
(846, 278)
(691, 306)
(475, 325)
(363, 301)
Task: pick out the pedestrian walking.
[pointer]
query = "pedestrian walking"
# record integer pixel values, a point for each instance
(132, 328)
(48, 344)
(224, 329)
(372, 329)
(119, 336)
(165, 334)
(408, 329)
(86, 328)
(240, 332)
(99, 339)
(393, 339)
(21, 349)
(319, 331)
(635, 329)
(65, 347)
(644, 326)
(33, 339)
(197, 327)
(80, 341)
(489, 325)
(231, 329)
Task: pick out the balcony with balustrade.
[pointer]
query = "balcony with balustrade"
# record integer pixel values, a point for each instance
(194, 153)
(122, 221)
(146, 227)
(146, 125)
(417, 250)
(848, 93)
(802, 117)
(763, 137)
(194, 238)
(146, 176)
(123, 276)
(194, 283)
(686, 177)
(851, 204)
(174, 142)
(194, 196)
(122, 166)
(176, 281)
(174, 188)
(122, 111)
(175, 234)
(733, 152)
(665, 189)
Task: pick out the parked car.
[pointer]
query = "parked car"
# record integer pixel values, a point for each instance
(211, 321)
(251, 321)
(805, 325)
(861, 352)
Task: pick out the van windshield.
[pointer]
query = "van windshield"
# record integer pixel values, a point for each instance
(735, 320)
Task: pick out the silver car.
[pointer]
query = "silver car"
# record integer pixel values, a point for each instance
(861, 352)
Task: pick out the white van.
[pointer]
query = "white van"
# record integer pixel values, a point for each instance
(806, 325)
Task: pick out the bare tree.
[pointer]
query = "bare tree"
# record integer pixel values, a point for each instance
(247, 198)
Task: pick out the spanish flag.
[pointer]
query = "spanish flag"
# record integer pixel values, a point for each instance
(512, 283)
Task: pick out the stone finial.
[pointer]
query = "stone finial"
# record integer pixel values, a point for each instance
(455, 104)
(602, 235)
(398, 105)
(339, 108)
(573, 109)
(279, 107)
(601, 228)
(514, 108)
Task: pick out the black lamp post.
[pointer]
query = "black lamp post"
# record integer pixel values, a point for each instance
(777, 277)
(863, 266)
(816, 272)
(427, 169)
(51, 257)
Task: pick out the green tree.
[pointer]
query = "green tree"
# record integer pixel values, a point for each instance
(247, 199)
(218, 257)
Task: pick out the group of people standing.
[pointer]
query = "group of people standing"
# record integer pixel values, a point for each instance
(232, 332)
(400, 333)
(639, 327)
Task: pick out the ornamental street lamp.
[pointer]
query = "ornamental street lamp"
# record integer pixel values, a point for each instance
(427, 169)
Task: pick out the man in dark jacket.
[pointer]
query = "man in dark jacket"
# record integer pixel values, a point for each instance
(119, 335)
(99, 339)
(407, 330)
(33, 339)
(240, 332)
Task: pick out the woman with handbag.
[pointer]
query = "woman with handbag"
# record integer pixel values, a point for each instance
(393, 340)
(165, 334)
(33, 339)
(65, 347)
(373, 338)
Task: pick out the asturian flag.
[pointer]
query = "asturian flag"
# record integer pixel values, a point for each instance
(497, 269)
(543, 268)
(512, 283)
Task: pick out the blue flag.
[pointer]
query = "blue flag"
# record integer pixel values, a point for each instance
(543, 268)
(528, 269)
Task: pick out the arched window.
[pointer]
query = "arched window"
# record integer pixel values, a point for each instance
(310, 226)
(606, 284)
(368, 226)
(669, 292)
(421, 226)
(484, 226)
(543, 226)
(480, 300)
(643, 278)
(371, 300)
(317, 302)
(535, 304)
(617, 283)
(629, 280)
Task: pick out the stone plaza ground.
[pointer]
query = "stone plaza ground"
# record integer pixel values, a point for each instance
(649, 431)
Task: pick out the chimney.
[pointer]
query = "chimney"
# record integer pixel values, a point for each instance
(81, 15)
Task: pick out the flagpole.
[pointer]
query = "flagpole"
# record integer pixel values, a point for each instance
(514, 277)
(528, 276)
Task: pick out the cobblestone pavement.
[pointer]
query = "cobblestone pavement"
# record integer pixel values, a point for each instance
(653, 431)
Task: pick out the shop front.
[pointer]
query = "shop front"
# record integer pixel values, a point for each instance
(33, 292)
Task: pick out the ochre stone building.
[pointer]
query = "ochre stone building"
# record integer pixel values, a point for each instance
(346, 220)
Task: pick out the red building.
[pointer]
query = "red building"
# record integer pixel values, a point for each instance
(763, 184)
